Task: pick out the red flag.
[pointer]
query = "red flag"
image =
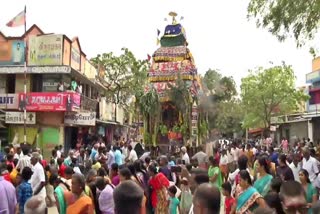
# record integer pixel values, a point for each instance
(18, 20)
(149, 57)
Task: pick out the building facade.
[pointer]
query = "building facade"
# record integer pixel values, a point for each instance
(64, 100)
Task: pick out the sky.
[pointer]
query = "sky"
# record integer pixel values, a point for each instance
(218, 31)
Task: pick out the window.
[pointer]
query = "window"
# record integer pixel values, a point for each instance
(11, 83)
(314, 97)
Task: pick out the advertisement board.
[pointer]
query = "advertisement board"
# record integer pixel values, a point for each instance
(51, 101)
(89, 70)
(80, 118)
(9, 101)
(12, 52)
(35, 70)
(13, 117)
(313, 77)
(45, 50)
(75, 59)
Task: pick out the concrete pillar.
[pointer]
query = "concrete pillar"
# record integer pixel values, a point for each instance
(310, 130)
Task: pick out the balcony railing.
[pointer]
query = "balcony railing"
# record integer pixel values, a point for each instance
(88, 104)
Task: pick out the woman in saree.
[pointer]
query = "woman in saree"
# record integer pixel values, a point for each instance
(59, 188)
(262, 184)
(310, 190)
(159, 184)
(249, 199)
(214, 173)
(77, 201)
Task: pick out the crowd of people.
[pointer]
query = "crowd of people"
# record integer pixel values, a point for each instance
(231, 178)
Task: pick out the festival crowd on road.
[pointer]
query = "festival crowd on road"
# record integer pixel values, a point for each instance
(224, 176)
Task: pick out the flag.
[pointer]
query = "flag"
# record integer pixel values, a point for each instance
(165, 19)
(158, 32)
(158, 41)
(149, 57)
(18, 20)
(181, 18)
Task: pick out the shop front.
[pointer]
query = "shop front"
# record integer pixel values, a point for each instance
(79, 128)
(46, 110)
(8, 102)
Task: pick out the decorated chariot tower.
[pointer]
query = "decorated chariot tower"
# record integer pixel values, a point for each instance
(173, 75)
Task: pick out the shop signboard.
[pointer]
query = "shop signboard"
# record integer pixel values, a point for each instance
(75, 59)
(45, 50)
(12, 52)
(80, 118)
(89, 70)
(8, 101)
(18, 117)
(35, 70)
(313, 77)
(50, 101)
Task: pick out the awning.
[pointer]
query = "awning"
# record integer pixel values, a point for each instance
(256, 130)
(310, 116)
(86, 80)
(107, 122)
(296, 121)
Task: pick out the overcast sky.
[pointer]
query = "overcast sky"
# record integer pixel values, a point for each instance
(218, 32)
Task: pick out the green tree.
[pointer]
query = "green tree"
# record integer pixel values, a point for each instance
(284, 18)
(229, 117)
(125, 74)
(270, 91)
(217, 88)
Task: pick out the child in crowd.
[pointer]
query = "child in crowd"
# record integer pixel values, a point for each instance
(186, 197)
(115, 179)
(229, 200)
(24, 190)
(173, 201)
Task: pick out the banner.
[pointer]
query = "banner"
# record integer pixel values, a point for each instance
(75, 59)
(35, 70)
(18, 117)
(12, 52)
(54, 101)
(45, 50)
(50, 138)
(9, 101)
(89, 70)
(81, 118)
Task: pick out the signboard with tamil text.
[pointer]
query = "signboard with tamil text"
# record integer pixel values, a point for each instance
(9, 101)
(50, 101)
(36, 70)
(75, 59)
(80, 118)
(45, 50)
(18, 117)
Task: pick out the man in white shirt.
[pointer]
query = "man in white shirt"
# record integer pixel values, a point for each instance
(38, 179)
(110, 158)
(24, 160)
(185, 156)
(310, 164)
(200, 156)
(296, 166)
(235, 152)
(132, 154)
(230, 159)
(18, 154)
